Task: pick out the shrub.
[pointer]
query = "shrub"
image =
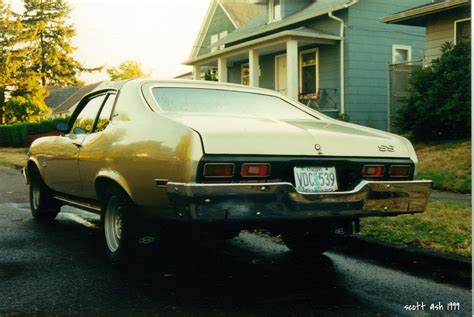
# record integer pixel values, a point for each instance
(439, 104)
(15, 135)
(25, 108)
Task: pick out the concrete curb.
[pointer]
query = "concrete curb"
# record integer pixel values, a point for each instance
(438, 266)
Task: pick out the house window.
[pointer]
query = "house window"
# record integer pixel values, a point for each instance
(309, 80)
(244, 74)
(462, 31)
(275, 10)
(216, 37)
(401, 54)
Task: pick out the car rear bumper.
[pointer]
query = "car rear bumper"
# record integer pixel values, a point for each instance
(271, 201)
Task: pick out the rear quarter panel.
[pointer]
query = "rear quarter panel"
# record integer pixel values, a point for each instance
(140, 146)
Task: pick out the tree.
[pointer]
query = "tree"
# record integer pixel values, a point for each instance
(126, 70)
(26, 108)
(49, 46)
(439, 103)
(11, 53)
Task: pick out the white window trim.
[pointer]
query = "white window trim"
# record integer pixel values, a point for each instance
(456, 28)
(271, 5)
(276, 71)
(242, 73)
(396, 47)
(300, 68)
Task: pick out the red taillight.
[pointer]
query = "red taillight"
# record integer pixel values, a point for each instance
(255, 170)
(399, 171)
(372, 171)
(218, 170)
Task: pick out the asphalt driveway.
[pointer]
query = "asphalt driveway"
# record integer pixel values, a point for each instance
(60, 269)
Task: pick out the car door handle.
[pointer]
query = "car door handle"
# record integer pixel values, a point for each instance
(77, 144)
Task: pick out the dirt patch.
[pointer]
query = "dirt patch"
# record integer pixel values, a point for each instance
(13, 157)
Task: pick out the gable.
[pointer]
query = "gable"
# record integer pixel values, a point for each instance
(216, 21)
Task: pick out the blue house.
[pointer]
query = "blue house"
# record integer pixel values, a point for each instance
(330, 54)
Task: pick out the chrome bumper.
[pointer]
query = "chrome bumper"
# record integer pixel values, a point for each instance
(271, 201)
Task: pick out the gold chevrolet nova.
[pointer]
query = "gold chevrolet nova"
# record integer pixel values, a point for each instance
(221, 158)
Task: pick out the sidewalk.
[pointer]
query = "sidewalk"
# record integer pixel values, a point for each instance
(452, 197)
(444, 268)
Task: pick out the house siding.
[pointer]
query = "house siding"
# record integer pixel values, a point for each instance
(368, 52)
(293, 6)
(220, 22)
(440, 29)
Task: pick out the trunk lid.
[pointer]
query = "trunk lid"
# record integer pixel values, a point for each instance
(239, 134)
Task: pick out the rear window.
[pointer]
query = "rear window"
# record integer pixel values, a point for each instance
(225, 101)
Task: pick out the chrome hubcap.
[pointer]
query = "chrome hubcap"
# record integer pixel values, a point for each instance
(113, 225)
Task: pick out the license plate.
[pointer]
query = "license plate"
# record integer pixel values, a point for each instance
(315, 179)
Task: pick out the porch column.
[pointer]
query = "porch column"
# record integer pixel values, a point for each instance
(222, 69)
(196, 72)
(254, 68)
(292, 68)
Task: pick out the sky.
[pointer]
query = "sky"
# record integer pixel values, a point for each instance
(159, 34)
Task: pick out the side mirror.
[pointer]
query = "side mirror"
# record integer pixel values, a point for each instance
(79, 130)
(62, 127)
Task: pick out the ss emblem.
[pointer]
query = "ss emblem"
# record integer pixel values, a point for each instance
(386, 148)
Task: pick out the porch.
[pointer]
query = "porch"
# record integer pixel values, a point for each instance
(301, 63)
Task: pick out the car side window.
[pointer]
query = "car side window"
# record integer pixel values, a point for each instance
(105, 113)
(85, 120)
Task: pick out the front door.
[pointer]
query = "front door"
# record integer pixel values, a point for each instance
(63, 174)
(281, 74)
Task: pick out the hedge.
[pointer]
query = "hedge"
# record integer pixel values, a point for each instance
(15, 135)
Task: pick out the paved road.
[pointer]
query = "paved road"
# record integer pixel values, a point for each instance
(59, 269)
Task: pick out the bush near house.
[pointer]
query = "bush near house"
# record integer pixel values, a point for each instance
(439, 104)
(16, 135)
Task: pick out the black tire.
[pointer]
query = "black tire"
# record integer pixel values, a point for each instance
(308, 243)
(120, 227)
(42, 204)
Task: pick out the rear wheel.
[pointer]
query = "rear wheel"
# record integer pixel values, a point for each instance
(42, 204)
(308, 243)
(120, 227)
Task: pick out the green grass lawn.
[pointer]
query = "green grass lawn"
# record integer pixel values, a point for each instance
(443, 227)
(448, 164)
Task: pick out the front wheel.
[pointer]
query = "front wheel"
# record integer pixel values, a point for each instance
(119, 226)
(42, 204)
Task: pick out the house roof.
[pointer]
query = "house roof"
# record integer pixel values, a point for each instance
(302, 33)
(75, 98)
(57, 95)
(240, 11)
(185, 75)
(418, 16)
(259, 25)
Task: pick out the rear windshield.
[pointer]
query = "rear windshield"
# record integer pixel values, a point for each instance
(199, 100)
